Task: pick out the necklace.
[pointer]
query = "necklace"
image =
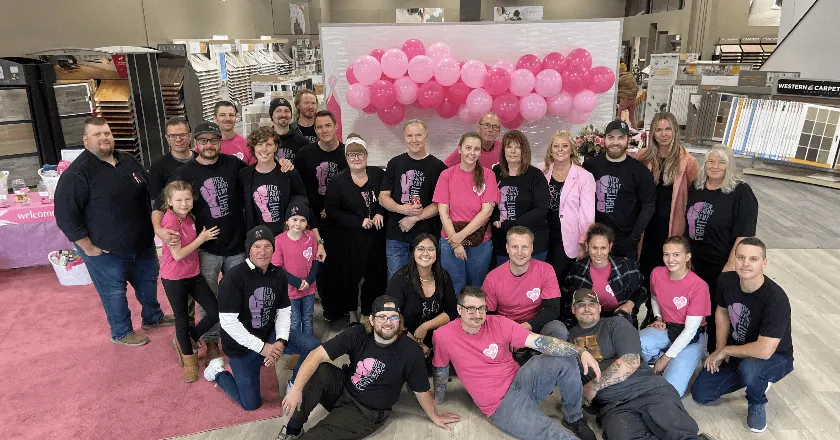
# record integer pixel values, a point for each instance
(427, 281)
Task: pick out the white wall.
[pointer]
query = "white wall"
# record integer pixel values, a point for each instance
(811, 47)
(792, 11)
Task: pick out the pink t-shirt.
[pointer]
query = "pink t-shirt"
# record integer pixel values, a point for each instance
(487, 158)
(678, 299)
(601, 287)
(483, 361)
(455, 188)
(188, 267)
(296, 257)
(520, 298)
(238, 146)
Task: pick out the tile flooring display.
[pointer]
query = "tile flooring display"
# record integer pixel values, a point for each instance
(74, 103)
(114, 103)
(209, 83)
(18, 148)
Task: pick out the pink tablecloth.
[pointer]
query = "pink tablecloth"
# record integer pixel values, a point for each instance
(27, 234)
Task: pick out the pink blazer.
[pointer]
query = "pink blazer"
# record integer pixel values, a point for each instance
(577, 206)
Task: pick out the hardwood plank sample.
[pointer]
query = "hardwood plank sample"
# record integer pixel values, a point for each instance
(72, 99)
(25, 168)
(17, 139)
(14, 105)
(73, 130)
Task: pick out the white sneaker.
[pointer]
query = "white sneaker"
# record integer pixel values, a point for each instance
(215, 367)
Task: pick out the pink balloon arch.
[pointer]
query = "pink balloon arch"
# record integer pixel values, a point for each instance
(432, 77)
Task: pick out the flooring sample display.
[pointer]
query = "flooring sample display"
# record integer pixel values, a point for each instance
(17, 139)
(14, 105)
(209, 83)
(73, 130)
(114, 103)
(25, 168)
(73, 99)
(171, 84)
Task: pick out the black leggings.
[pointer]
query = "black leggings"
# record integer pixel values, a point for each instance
(178, 292)
(562, 264)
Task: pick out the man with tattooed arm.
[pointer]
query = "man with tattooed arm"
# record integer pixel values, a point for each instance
(479, 347)
(631, 401)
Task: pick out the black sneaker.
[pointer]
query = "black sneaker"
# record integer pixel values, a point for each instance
(284, 436)
(581, 429)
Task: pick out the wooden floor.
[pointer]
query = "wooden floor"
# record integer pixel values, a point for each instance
(801, 225)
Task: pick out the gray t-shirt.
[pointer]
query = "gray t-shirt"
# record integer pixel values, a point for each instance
(607, 341)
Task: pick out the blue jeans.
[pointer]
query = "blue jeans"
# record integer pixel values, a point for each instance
(502, 259)
(111, 273)
(242, 384)
(470, 272)
(520, 415)
(397, 254)
(680, 369)
(302, 310)
(752, 373)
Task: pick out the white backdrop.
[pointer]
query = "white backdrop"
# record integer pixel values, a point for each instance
(487, 42)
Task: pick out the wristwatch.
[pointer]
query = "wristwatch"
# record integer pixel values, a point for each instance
(321, 241)
(285, 342)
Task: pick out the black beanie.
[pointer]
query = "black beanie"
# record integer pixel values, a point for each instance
(277, 102)
(299, 205)
(258, 233)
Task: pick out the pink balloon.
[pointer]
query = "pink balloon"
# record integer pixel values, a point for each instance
(559, 104)
(580, 56)
(532, 107)
(394, 63)
(548, 83)
(497, 81)
(351, 79)
(503, 64)
(575, 78)
(514, 123)
(522, 82)
(457, 93)
(430, 94)
(413, 48)
(371, 109)
(392, 115)
(473, 73)
(554, 60)
(406, 90)
(439, 51)
(479, 102)
(585, 101)
(447, 109)
(575, 117)
(466, 116)
(382, 94)
(601, 79)
(530, 62)
(447, 72)
(506, 106)
(367, 70)
(358, 96)
(377, 53)
(421, 69)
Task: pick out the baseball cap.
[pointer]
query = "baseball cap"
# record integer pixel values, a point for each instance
(618, 125)
(585, 295)
(379, 305)
(207, 127)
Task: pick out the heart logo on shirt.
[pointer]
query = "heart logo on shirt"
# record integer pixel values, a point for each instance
(491, 351)
(240, 155)
(307, 253)
(533, 294)
(680, 302)
(609, 290)
(479, 191)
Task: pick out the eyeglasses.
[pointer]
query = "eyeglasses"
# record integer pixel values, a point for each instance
(491, 126)
(383, 318)
(203, 141)
(423, 250)
(179, 136)
(472, 310)
(356, 156)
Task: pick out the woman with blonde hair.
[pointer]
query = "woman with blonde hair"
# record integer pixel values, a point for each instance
(722, 210)
(571, 202)
(674, 170)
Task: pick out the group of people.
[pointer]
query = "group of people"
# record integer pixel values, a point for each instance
(522, 278)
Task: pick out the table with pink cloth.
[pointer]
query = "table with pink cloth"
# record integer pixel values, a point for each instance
(28, 233)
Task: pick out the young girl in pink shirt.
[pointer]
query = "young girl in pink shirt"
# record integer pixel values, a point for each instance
(296, 251)
(180, 275)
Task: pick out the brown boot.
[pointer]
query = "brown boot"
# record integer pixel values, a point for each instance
(212, 352)
(190, 367)
(178, 349)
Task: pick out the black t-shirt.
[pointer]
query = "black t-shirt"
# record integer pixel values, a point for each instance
(218, 202)
(159, 174)
(417, 310)
(765, 312)
(608, 340)
(715, 220)
(256, 297)
(377, 372)
(317, 167)
(523, 201)
(307, 132)
(268, 195)
(625, 195)
(289, 144)
(555, 189)
(408, 179)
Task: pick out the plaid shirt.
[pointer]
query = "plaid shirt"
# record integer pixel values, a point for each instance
(625, 280)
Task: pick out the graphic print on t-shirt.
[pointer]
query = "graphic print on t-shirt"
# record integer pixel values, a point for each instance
(307, 253)
(324, 173)
(698, 215)
(367, 370)
(369, 198)
(680, 302)
(606, 191)
(491, 351)
(239, 155)
(410, 182)
(260, 316)
(739, 316)
(507, 201)
(285, 153)
(267, 199)
(429, 309)
(533, 294)
(590, 344)
(214, 191)
(554, 198)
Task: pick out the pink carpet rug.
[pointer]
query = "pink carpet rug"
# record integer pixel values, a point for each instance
(62, 379)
